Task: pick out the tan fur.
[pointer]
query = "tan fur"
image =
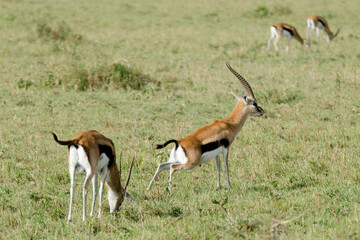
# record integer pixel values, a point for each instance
(217, 130)
(227, 128)
(90, 141)
(281, 26)
(316, 19)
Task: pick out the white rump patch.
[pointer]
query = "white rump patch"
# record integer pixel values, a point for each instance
(273, 31)
(79, 160)
(178, 156)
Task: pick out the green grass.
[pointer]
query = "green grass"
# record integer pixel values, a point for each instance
(294, 172)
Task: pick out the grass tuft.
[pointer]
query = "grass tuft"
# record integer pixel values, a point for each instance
(264, 11)
(60, 32)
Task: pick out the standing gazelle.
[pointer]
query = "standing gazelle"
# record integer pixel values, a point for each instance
(209, 141)
(320, 23)
(94, 153)
(279, 29)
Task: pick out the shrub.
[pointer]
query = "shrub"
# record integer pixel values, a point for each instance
(116, 75)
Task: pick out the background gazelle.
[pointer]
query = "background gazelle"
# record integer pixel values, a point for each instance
(209, 141)
(279, 29)
(94, 153)
(320, 23)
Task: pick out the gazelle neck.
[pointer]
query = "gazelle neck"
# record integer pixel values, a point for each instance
(238, 116)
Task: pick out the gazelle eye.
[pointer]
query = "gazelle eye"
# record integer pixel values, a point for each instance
(255, 104)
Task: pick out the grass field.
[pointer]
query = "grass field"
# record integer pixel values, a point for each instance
(295, 172)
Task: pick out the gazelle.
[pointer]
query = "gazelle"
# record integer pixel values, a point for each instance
(209, 141)
(279, 29)
(320, 23)
(94, 153)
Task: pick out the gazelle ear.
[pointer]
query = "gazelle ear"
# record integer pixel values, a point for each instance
(236, 96)
(245, 98)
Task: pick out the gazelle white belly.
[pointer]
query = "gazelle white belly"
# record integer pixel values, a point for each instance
(320, 25)
(102, 162)
(286, 33)
(207, 156)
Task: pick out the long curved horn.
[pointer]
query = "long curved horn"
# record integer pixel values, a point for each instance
(128, 179)
(334, 35)
(243, 81)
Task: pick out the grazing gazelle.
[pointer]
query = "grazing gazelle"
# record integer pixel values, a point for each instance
(208, 142)
(320, 23)
(94, 153)
(279, 29)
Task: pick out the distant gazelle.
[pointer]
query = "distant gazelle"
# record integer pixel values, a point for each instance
(210, 141)
(279, 29)
(94, 153)
(320, 23)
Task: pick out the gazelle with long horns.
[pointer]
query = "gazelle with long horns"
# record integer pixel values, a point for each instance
(320, 23)
(94, 153)
(282, 29)
(211, 140)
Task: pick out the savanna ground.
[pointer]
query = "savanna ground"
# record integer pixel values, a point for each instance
(144, 72)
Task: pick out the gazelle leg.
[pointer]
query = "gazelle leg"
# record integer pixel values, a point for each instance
(310, 28)
(276, 41)
(103, 175)
(217, 160)
(226, 164)
(272, 37)
(287, 43)
(88, 178)
(73, 160)
(72, 180)
(95, 192)
(177, 167)
(172, 171)
(317, 34)
(161, 167)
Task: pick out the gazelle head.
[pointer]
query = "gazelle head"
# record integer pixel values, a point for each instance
(116, 199)
(249, 101)
(332, 36)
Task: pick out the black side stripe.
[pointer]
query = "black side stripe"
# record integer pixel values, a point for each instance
(108, 151)
(322, 22)
(289, 30)
(214, 145)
